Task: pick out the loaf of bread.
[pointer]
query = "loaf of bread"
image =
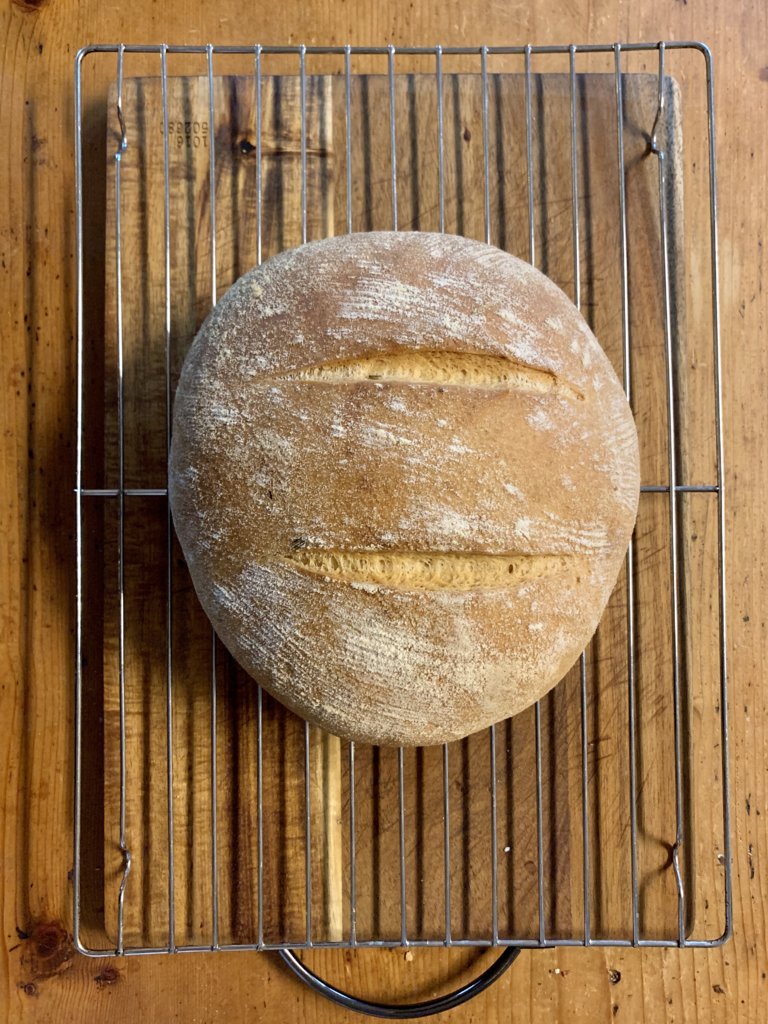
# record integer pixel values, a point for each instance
(404, 476)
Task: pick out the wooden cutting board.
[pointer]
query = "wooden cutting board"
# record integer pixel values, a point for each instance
(283, 912)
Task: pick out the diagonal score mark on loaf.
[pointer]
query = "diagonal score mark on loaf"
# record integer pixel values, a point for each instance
(433, 366)
(430, 570)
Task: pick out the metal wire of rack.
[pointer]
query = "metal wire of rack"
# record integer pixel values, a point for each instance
(674, 489)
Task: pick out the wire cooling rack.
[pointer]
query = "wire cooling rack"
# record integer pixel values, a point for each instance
(695, 755)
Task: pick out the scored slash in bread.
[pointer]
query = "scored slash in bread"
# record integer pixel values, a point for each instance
(404, 476)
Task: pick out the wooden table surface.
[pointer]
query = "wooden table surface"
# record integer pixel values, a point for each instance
(41, 979)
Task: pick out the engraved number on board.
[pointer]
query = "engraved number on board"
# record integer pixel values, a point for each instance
(192, 134)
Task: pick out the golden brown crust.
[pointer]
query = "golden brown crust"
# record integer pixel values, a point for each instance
(404, 476)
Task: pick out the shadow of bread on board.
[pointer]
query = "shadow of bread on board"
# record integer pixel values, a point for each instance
(157, 584)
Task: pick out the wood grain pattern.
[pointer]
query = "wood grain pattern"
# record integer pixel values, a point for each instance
(378, 911)
(40, 979)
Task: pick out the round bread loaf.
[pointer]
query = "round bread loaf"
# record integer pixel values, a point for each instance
(404, 476)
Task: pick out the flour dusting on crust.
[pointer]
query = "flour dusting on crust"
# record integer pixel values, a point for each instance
(375, 404)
